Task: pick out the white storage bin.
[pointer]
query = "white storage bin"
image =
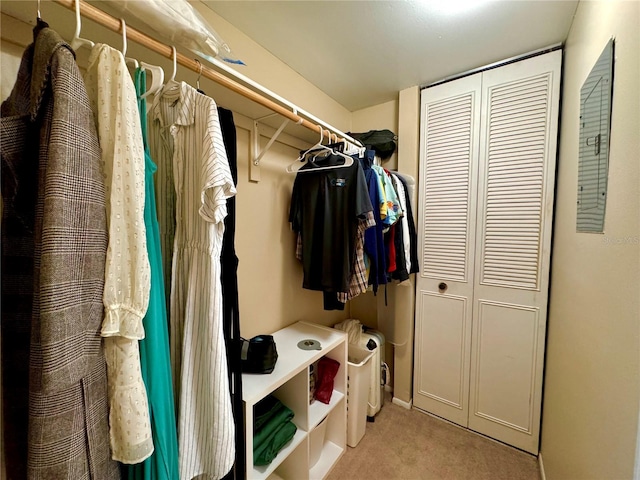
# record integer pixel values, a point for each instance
(316, 442)
(358, 380)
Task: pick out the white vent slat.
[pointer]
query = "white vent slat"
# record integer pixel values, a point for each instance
(440, 109)
(447, 130)
(512, 268)
(498, 171)
(523, 138)
(518, 136)
(446, 126)
(514, 145)
(521, 275)
(518, 105)
(449, 105)
(456, 249)
(520, 114)
(520, 88)
(453, 164)
(522, 129)
(507, 242)
(515, 255)
(521, 153)
(516, 132)
(514, 196)
(448, 153)
(505, 180)
(455, 160)
(523, 205)
(446, 187)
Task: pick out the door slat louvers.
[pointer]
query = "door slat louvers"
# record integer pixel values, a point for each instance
(446, 188)
(517, 117)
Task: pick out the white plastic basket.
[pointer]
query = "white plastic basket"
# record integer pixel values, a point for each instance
(358, 374)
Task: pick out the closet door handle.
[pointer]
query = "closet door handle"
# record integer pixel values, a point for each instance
(442, 286)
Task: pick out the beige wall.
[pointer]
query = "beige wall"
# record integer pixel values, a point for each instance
(590, 412)
(404, 296)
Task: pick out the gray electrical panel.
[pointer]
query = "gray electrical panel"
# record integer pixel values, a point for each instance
(593, 164)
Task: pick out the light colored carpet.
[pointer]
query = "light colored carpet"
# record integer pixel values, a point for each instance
(407, 444)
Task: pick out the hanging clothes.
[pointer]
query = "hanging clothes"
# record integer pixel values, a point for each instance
(375, 259)
(154, 348)
(359, 279)
(127, 274)
(54, 244)
(413, 236)
(393, 212)
(326, 208)
(231, 314)
(194, 183)
(404, 223)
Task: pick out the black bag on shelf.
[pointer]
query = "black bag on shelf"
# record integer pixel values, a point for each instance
(382, 141)
(259, 354)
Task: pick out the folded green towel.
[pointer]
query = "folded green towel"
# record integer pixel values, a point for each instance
(279, 416)
(270, 448)
(264, 410)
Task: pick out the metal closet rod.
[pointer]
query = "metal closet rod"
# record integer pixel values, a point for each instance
(93, 13)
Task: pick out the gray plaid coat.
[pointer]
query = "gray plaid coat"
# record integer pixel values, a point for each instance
(54, 242)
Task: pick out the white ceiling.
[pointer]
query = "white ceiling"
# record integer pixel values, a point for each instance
(361, 53)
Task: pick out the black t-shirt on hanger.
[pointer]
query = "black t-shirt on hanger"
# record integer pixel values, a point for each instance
(325, 208)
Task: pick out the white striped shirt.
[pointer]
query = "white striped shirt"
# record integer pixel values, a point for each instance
(193, 183)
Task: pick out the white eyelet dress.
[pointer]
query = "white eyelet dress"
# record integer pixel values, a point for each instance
(127, 274)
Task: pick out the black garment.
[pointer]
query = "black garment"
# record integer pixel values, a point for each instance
(331, 302)
(413, 236)
(230, 312)
(325, 208)
(400, 273)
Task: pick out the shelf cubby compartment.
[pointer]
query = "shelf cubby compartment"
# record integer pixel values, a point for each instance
(289, 382)
(334, 444)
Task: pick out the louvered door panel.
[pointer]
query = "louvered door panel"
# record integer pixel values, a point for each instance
(517, 116)
(516, 175)
(446, 187)
(448, 177)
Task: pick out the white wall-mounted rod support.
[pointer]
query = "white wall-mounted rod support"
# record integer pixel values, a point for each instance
(256, 161)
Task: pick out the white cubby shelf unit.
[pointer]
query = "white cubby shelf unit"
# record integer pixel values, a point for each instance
(289, 383)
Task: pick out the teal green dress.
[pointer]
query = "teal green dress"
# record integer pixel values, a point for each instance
(154, 349)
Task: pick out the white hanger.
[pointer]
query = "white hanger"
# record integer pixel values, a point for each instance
(78, 42)
(174, 56)
(290, 168)
(129, 61)
(157, 78)
(172, 84)
(348, 161)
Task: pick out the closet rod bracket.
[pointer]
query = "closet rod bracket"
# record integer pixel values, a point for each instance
(255, 168)
(275, 136)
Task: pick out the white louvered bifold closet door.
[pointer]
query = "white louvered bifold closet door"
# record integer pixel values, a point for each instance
(448, 171)
(518, 135)
(487, 173)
